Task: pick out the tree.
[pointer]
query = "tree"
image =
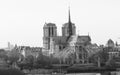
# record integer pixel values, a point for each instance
(100, 58)
(27, 63)
(111, 63)
(3, 54)
(103, 56)
(29, 60)
(54, 60)
(43, 61)
(13, 56)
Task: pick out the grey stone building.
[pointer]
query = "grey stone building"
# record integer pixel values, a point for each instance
(55, 43)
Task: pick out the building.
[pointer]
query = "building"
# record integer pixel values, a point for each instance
(9, 47)
(112, 49)
(27, 51)
(69, 48)
(54, 43)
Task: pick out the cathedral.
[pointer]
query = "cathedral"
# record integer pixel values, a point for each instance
(68, 42)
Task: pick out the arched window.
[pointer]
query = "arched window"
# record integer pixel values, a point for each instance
(49, 31)
(60, 47)
(52, 31)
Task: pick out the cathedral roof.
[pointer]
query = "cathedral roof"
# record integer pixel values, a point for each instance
(60, 40)
(83, 39)
(63, 39)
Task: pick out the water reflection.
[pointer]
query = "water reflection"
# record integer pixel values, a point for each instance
(84, 74)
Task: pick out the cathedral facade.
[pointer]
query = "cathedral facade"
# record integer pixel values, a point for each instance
(50, 34)
(70, 47)
(56, 44)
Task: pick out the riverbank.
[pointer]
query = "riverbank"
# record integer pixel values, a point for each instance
(10, 71)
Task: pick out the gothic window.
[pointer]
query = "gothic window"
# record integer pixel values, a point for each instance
(80, 56)
(80, 48)
(85, 55)
(60, 47)
(49, 31)
(63, 47)
(52, 31)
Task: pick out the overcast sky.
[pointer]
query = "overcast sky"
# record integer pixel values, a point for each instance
(22, 21)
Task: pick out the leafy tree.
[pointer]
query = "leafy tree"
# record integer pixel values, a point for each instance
(3, 54)
(13, 56)
(54, 60)
(111, 63)
(104, 56)
(27, 63)
(99, 58)
(43, 61)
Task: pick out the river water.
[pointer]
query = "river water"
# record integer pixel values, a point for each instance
(105, 73)
(84, 74)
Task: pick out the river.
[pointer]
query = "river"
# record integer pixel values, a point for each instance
(104, 73)
(84, 74)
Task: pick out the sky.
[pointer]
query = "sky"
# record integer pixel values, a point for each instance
(22, 21)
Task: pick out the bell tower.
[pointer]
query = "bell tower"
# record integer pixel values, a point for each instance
(49, 30)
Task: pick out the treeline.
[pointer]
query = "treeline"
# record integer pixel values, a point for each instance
(14, 58)
(41, 61)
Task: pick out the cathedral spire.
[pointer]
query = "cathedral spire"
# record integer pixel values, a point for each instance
(70, 23)
(69, 15)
